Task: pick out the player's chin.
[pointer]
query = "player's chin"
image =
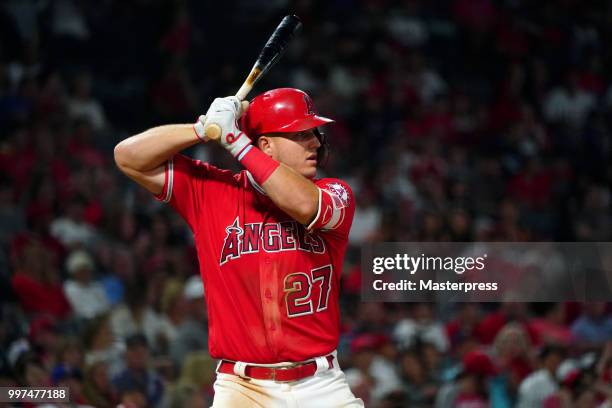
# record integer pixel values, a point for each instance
(309, 170)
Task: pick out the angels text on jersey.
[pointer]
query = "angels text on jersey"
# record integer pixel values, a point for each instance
(269, 237)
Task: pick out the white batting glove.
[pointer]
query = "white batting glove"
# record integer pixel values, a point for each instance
(225, 112)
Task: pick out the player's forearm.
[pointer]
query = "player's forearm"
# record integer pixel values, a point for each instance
(293, 193)
(153, 147)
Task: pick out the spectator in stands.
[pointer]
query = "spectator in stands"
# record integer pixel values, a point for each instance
(138, 373)
(542, 383)
(44, 339)
(97, 388)
(511, 355)
(421, 326)
(593, 328)
(102, 345)
(81, 104)
(192, 333)
(71, 229)
(490, 325)
(464, 324)
(69, 360)
(37, 284)
(134, 315)
(173, 308)
(568, 103)
(86, 296)
(194, 387)
(549, 326)
(121, 269)
(372, 374)
(473, 386)
(469, 386)
(133, 396)
(593, 221)
(30, 371)
(420, 387)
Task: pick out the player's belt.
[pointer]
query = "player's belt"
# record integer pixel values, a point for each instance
(288, 373)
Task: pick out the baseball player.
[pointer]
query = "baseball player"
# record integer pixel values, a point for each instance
(270, 241)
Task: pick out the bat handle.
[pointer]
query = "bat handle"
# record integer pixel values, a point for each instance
(249, 83)
(212, 131)
(244, 91)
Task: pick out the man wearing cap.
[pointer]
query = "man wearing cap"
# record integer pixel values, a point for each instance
(87, 297)
(270, 240)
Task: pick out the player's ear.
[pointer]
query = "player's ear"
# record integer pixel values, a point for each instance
(264, 144)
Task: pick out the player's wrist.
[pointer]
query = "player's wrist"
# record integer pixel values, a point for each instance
(236, 143)
(260, 165)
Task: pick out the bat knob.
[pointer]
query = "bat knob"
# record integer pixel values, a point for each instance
(212, 132)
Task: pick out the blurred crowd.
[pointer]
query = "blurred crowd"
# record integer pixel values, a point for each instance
(457, 120)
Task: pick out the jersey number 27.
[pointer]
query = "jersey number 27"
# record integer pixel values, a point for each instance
(298, 289)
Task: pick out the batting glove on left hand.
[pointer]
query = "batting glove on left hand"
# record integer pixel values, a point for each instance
(224, 112)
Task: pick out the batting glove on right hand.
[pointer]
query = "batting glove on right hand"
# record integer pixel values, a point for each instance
(224, 112)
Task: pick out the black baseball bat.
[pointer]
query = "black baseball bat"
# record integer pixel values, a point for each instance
(270, 54)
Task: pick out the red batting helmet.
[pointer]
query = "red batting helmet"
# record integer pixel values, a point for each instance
(280, 110)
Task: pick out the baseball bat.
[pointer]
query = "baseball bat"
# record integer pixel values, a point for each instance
(270, 54)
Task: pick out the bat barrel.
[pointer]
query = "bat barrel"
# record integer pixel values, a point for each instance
(276, 45)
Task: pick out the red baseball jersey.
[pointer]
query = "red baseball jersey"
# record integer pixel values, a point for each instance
(271, 284)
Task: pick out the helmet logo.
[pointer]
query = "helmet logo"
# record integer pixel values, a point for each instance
(309, 106)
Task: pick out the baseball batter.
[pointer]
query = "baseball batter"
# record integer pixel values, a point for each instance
(270, 241)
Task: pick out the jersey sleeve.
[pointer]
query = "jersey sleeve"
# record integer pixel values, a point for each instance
(186, 183)
(336, 207)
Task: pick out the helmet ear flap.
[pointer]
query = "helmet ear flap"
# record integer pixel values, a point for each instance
(323, 150)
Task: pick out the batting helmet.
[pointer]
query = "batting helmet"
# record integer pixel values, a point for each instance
(281, 110)
(284, 110)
